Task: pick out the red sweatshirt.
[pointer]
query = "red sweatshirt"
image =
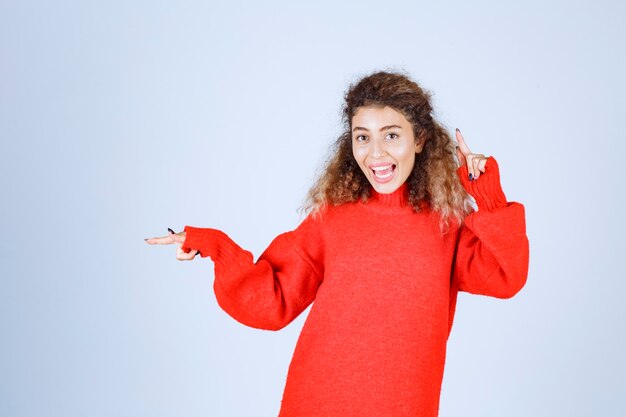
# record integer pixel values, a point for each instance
(385, 283)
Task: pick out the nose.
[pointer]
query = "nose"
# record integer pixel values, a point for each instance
(378, 148)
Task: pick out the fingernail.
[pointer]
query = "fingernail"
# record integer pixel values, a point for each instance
(471, 177)
(145, 240)
(457, 129)
(170, 230)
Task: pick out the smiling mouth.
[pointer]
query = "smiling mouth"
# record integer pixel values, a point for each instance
(383, 172)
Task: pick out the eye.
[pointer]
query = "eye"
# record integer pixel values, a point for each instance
(358, 138)
(394, 135)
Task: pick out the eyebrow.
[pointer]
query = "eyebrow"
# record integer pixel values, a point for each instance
(381, 129)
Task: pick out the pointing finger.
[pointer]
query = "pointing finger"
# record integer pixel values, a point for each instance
(164, 240)
(178, 237)
(460, 156)
(462, 145)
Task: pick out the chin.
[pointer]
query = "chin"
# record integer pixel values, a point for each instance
(385, 188)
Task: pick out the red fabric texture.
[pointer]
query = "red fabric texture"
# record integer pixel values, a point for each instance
(383, 283)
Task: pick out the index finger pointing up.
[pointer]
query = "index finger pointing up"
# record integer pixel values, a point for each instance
(462, 145)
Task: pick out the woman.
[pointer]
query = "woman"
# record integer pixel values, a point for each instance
(390, 238)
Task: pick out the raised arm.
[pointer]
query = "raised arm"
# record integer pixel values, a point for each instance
(492, 251)
(271, 292)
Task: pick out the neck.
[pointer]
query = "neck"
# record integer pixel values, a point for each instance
(397, 198)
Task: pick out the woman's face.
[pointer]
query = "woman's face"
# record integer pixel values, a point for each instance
(384, 146)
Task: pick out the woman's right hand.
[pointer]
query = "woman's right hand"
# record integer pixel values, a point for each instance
(179, 239)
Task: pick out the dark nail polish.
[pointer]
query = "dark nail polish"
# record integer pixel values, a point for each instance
(471, 177)
(457, 129)
(170, 230)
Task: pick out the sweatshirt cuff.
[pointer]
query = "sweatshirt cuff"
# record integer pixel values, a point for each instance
(486, 190)
(210, 242)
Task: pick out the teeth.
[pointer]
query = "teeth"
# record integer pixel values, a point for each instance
(384, 176)
(382, 167)
(377, 171)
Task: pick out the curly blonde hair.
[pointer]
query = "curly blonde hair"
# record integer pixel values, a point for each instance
(433, 182)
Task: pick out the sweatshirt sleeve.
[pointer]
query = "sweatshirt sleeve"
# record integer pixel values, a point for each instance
(271, 292)
(492, 252)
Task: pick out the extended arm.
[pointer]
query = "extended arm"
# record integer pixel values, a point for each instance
(271, 292)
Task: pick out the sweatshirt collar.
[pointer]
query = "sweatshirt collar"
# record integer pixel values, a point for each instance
(397, 198)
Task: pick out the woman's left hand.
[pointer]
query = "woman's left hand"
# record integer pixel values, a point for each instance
(475, 161)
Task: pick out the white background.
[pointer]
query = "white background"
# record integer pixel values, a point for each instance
(118, 120)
